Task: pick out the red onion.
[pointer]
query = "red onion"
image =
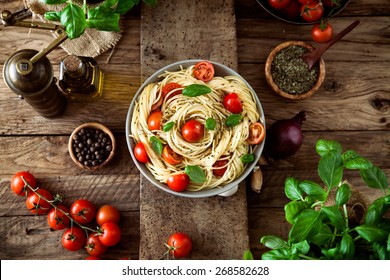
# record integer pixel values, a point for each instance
(284, 137)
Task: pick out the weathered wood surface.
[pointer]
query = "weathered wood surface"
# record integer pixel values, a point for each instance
(352, 107)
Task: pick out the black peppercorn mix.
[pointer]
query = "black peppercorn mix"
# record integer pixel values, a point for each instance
(91, 146)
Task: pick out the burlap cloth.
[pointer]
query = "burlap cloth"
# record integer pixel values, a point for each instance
(91, 43)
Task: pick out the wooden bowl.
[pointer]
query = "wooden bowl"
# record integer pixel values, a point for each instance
(275, 87)
(91, 125)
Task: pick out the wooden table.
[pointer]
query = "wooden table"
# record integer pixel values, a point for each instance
(352, 107)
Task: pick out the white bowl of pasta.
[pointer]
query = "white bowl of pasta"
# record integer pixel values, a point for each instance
(195, 128)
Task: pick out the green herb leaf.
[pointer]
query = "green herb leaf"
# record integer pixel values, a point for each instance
(111, 4)
(104, 19)
(292, 189)
(324, 236)
(347, 246)
(375, 178)
(273, 242)
(332, 253)
(330, 168)
(353, 160)
(388, 244)
(302, 247)
(247, 158)
(150, 2)
(325, 146)
(293, 209)
(233, 120)
(376, 211)
(195, 90)
(313, 189)
(124, 6)
(53, 16)
(156, 144)
(195, 173)
(211, 124)
(381, 251)
(168, 126)
(372, 233)
(335, 216)
(277, 254)
(73, 18)
(343, 194)
(54, 2)
(307, 224)
(248, 256)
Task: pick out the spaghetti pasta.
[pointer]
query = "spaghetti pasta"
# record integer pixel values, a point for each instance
(220, 143)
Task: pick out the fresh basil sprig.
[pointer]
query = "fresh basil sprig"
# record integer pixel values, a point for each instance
(211, 124)
(195, 90)
(233, 120)
(195, 173)
(168, 126)
(156, 144)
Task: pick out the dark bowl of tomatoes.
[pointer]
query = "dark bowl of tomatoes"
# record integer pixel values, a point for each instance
(136, 150)
(303, 11)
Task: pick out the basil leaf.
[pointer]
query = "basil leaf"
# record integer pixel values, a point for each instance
(372, 233)
(347, 247)
(374, 178)
(292, 189)
(211, 124)
(156, 144)
(233, 120)
(53, 16)
(248, 256)
(324, 146)
(293, 209)
(195, 173)
(150, 2)
(276, 254)
(307, 224)
(168, 126)
(323, 236)
(195, 90)
(110, 3)
(313, 189)
(330, 168)
(343, 194)
(247, 158)
(73, 18)
(302, 247)
(273, 242)
(335, 217)
(54, 2)
(353, 160)
(124, 6)
(102, 18)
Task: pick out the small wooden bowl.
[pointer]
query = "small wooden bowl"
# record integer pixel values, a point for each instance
(93, 125)
(275, 87)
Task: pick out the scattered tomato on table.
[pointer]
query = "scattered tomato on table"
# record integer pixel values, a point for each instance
(179, 245)
(322, 32)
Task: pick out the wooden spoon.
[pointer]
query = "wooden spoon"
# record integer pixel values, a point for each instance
(312, 57)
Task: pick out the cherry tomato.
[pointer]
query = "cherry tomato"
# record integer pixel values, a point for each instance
(256, 133)
(292, 11)
(92, 258)
(170, 156)
(73, 239)
(140, 152)
(82, 211)
(322, 33)
(218, 171)
(107, 213)
(154, 120)
(305, 1)
(279, 4)
(38, 205)
(57, 219)
(312, 11)
(204, 71)
(180, 245)
(232, 103)
(170, 87)
(178, 182)
(110, 234)
(192, 131)
(94, 246)
(17, 183)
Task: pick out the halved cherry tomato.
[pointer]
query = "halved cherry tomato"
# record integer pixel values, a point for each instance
(57, 219)
(204, 71)
(74, 239)
(170, 156)
(179, 245)
(192, 131)
(322, 33)
(38, 205)
(312, 11)
(82, 211)
(154, 120)
(178, 182)
(17, 183)
(256, 133)
(140, 152)
(232, 103)
(218, 171)
(94, 246)
(170, 87)
(279, 4)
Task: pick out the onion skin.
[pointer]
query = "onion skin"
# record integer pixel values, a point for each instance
(284, 137)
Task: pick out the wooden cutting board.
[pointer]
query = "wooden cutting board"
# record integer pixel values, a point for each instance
(176, 30)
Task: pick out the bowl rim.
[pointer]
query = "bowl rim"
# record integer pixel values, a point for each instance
(275, 87)
(143, 169)
(95, 125)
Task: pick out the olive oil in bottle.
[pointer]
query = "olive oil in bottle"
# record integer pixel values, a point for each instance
(80, 78)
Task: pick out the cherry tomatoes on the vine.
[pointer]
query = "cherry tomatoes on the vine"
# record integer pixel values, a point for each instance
(312, 11)
(178, 182)
(57, 219)
(107, 213)
(192, 131)
(322, 33)
(94, 246)
(140, 152)
(179, 245)
(74, 239)
(37, 204)
(256, 133)
(279, 4)
(232, 103)
(110, 234)
(220, 167)
(204, 71)
(170, 156)
(17, 184)
(83, 211)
